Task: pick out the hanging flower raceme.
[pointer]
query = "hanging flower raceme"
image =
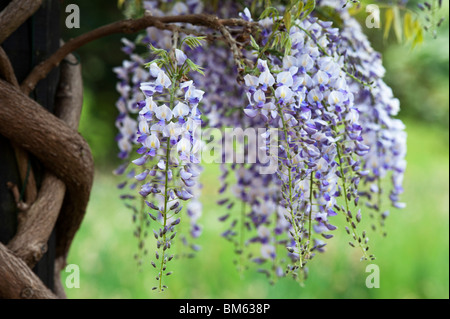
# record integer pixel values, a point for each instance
(335, 134)
(307, 96)
(165, 135)
(169, 151)
(383, 134)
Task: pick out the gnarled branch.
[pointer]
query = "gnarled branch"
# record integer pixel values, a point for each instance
(69, 102)
(124, 26)
(59, 148)
(32, 235)
(30, 241)
(17, 281)
(6, 69)
(26, 173)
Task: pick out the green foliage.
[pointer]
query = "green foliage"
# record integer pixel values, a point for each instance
(308, 8)
(406, 26)
(433, 15)
(279, 42)
(253, 43)
(131, 8)
(389, 16)
(194, 67)
(397, 24)
(419, 78)
(96, 126)
(165, 59)
(269, 12)
(163, 56)
(327, 13)
(193, 42)
(407, 23)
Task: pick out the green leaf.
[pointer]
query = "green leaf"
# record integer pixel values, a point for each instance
(253, 6)
(328, 13)
(193, 42)
(292, 3)
(418, 39)
(287, 20)
(308, 8)
(299, 10)
(159, 62)
(253, 43)
(389, 17)
(288, 46)
(276, 41)
(269, 11)
(398, 24)
(194, 67)
(408, 26)
(159, 52)
(354, 10)
(276, 52)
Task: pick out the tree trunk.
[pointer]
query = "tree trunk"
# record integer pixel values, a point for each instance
(30, 44)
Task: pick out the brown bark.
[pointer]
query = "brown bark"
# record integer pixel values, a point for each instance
(33, 232)
(6, 69)
(60, 148)
(17, 281)
(69, 95)
(26, 173)
(30, 241)
(58, 287)
(69, 102)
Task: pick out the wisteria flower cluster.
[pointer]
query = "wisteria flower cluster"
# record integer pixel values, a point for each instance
(306, 96)
(165, 133)
(169, 150)
(316, 89)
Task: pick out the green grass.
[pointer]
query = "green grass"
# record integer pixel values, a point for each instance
(413, 258)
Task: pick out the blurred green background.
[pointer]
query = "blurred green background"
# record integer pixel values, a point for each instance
(413, 258)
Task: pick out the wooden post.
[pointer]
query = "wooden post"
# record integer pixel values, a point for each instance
(30, 44)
